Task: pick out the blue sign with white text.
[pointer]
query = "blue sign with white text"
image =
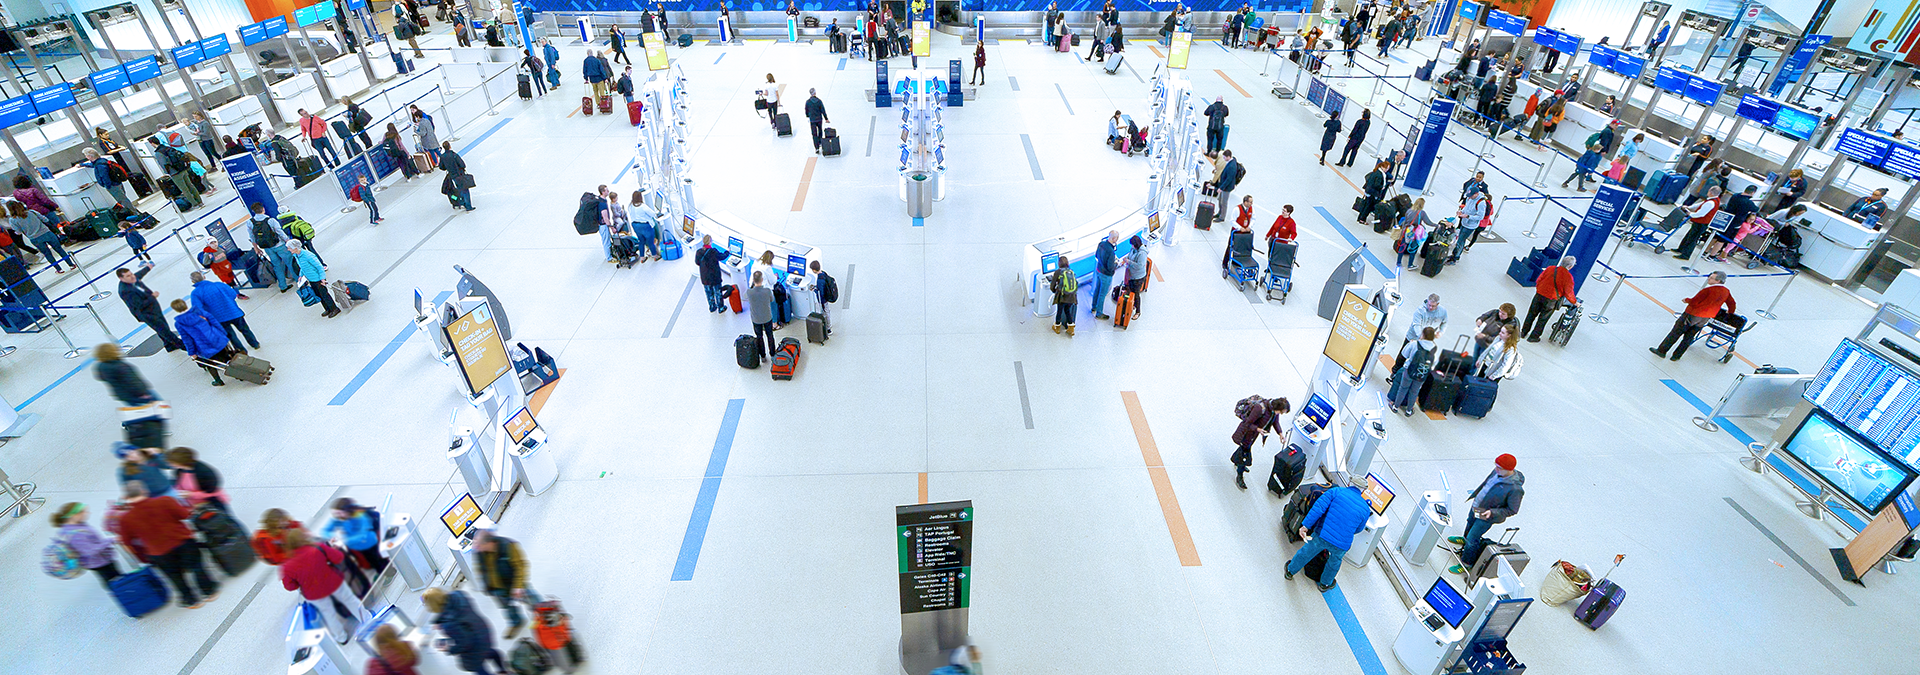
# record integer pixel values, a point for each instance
(1601, 56)
(1797, 64)
(1672, 79)
(107, 80)
(16, 110)
(1470, 11)
(1628, 65)
(187, 56)
(276, 26)
(1758, 109)
(216, 46)
(142, 69)
(249, 181)
(1433, 131)
(1904, 160)
(1506, 23)
(1703, 91)
(49, 100)
(1611, 203)
(1864, 147)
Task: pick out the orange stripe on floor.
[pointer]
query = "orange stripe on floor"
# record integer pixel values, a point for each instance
(1349, 182)
(1162, 486)
(573, 112)
(1156, 274)
(1156, 52)
(806, 178)
(923, 487)
(1236, 85)
(1434, 415)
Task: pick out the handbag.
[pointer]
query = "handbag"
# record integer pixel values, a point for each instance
(1360, 204)
(157, 410)
(464, 180)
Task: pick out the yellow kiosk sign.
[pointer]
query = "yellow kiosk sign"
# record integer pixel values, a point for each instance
(1355, 327)
(656, 48)
(1177, 52)
(482, 354)
(922, 39)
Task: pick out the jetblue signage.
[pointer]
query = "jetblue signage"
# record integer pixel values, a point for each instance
(1506, 23)
(1703, 91)
(253, 33)
(107, 81)
(49, 100)
(1797, 64)
(1759, 109)
(304, 17)
(1796, 122)
(1432, 131)
(1865, 148)
(1903, 160)
(187, 56)
(1671, 78)
(276, 26)
(1599, 56)
(1628, 65)
(351, 171)
(356, 5)
(16, 110)
(1470, 11)
(248, 181)
(142, 69)
(1564, 43)
(216, 46)
(1611, 202)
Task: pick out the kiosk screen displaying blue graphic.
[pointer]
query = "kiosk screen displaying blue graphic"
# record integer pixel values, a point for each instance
(1872, 396)
(1758, 109)
(142, 69)
(1319, 411)
(1446, 602)
(1796, 122)
(1866, 476)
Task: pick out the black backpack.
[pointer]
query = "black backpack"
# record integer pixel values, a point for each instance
(1247, 404)
(264, 236)
(829, 290)
(587, 219)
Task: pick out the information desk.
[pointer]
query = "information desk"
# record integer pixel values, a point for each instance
(1077, 247)
(1834, 246)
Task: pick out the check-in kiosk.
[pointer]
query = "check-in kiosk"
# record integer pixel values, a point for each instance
(1431, 629)
(310, 651)
(1076, 248)
(294, 93)
(1449, 632)
(403, 545)
(1429, 523)
(463, 518)
(527, 444)
(1312, 430)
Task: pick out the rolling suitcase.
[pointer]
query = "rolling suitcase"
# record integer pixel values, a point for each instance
(1295, 513)
(249, 368)
(1671, 190)
(1487, 566)
(526, 87)
(1442, 390)
(1317, 566)
(830, 146)
(139, 592)
(1122, 308)
(1203, 214)
(1634, 178)
(733, 298)
(1455, 361)
(817, 328)
(783, 125)
(1289, 467)
(1599, 605)
(1652, 187)
(1114, 61)
(785, 358)
(586, 105)
(1434, 258)
(224, 537)
(1476, 397)
(553, 630)
(422, 162)
(1066, 44)
(634, 110)
(746, 351)
(606, 104)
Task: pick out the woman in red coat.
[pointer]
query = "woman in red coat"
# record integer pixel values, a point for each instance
(312, 570)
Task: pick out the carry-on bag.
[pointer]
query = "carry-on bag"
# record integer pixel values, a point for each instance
(586, 105)
(783, 125)
(817, 328)
(1603, 598)
(1442, 390)
(785, 358)
(1476, 396)
(1114, 61)
(140, 591)
(529, 659)
(1289, 467)
(1295, 513)
(225, 538)
(746, 351)
(1434, 259)
(634, 111)
(1122, 308)
(1456, 361)
(1565, 581)
(249, 368)
(606, 104)
(1066, 44)
(553, 630)
(734, 299)
(1203, 213)
(526, 87)
(1488, 566)
(830, 146)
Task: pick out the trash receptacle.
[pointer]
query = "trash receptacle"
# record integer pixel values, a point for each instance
(919, 188)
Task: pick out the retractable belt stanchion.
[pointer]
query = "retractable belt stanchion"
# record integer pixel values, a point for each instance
(1601, 316)
(1768, 312)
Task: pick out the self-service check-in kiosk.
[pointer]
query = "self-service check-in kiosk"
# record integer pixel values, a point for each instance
(410, 632)
(1378, 495)
(462, 519)
(1432, 628)
(1312, 429)
(1430, 522)
(310, 651)
(1470, 635)
(526, 443)
(403, 545)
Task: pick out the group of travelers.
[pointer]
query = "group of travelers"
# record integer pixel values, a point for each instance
(1063, 284)
(766, 299)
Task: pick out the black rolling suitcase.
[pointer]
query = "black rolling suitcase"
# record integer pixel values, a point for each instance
(1455, 361)
(1289, 467)
(224, 537)
(830, 146)
(1442, 390)
(783, 125)
(1203, 213)
(1433, 259)
(1476, 397)
(746, 351)
(526, 87)
(817, 328)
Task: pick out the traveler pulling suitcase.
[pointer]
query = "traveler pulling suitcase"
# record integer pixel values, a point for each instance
(1289, 467)
(1476, 397)
(746, 351)
(586, 105)
(783, 125)
(1487, 566)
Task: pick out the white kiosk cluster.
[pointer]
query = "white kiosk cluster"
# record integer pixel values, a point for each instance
(661, 165)
(1175, 150)
(1339, 427)
(923, 163)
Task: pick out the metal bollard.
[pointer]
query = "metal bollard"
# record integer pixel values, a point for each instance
(102, 323)
(1539, 179)
(482, 72)
(72, 351)
(1602, 274)
(1542, 213)
(98, 294)
(1768, 312)
(1601, 316)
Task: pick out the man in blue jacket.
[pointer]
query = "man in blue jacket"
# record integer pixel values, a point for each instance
(1493, 502)
(1104, 265)
(1329, 527)
(104, 173)
(1229, 179)
(595, 73)
(218, 302)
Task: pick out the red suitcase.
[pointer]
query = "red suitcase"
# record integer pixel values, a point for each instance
(733, 298)
(633, 112)
(606, 104)
(586, 105)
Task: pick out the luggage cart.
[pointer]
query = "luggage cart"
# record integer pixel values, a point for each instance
(1280, 268)
(1723, 332)
(1656, 234)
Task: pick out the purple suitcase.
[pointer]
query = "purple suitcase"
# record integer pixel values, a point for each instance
(1600, 604)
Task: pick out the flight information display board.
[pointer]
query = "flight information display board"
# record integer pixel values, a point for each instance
(142, 69)
(1796, 122)
(1758, 109)
(1872, 396)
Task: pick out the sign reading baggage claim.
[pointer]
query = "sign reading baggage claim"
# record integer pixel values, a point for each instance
(483, 356)
(1177, 51)
(936, 555)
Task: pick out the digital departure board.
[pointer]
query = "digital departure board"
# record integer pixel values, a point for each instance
(1875, 397)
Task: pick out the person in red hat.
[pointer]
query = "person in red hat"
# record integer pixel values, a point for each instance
(1493, 502)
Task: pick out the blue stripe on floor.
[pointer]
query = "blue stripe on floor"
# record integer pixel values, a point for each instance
(1355, 241)
(483, 137)
(1223, 47)
(709, 490)
(1350, 628)
(722, 56)
(380, 359)
(76, 371)
(1391, 55)
(1786, 469)
(843, 64)
(623, 172)
(919, 222)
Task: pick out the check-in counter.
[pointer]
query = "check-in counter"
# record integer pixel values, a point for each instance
(1905, 289)
(76, 193)
(1655, 153)
(345, 77)
(725, 227)
(1832, 245)
(1581, 122)
(295, 93)
(1077, 247)
(380, 56)
(229, 119)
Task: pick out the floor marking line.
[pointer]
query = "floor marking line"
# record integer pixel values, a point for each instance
(871, 121)
(416, 247)
(1732, 429)
(1235, 85)
(722, 56)
(1014, 82)
(1162, 486)
(843, 63)
(484, 136)
(709, 491)
(1136, 73)
(919, 222)
(1156, 274)
(1669, 310)
(676, 308)
(1351, 630)
(1355, 242)
(373, 366)
(84, 363)
(1020, 378)
(806, 179)
(1033, 159)
(1063, 97)
(1156, 52)
(846, 289)
(1789, 551)
(923, 487)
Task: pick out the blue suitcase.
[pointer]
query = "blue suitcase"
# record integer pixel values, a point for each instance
(307, 297)
(1600, 604)
(1675, 184)
(1476, 397)
(1654, 184)
(139, 592)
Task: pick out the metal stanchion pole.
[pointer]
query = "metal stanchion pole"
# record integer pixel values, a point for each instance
(72, 351)
(1265, 61)
(1601, 316)
(84, 274)
(1602, 274)
(102, 323)
(1540, 177)
(481, 71)
(1430, 172)
(1768, 312)
(1544, 200)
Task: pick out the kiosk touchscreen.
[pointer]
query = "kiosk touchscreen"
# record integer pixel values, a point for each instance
(1318, 411)
(1377, 494)
(460, 517)
(523, 430)
(1447, 604)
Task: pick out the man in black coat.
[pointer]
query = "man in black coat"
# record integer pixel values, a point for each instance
(1216, 124)
(144, 304)
(1355, 137)
(708, 260)
(816, 117)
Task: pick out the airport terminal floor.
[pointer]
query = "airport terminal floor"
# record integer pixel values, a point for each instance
(1109, 535)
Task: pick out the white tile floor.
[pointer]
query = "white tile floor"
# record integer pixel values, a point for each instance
(1077, 571)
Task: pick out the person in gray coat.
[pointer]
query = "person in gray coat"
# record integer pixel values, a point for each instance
(1493, 502)
(760, 309)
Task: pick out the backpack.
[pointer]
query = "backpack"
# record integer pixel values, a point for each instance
(60, 560)
(296, 226)
(354, 194)
(1247, 405)
(264, 236)
(829, 289)
(586, 220)
(1240, 174)
(1420, 365)
(116, 172)
(361, 118)
(529, 658)
(1593, 140)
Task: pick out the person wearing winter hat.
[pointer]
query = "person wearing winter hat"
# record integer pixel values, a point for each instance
(1493, 502)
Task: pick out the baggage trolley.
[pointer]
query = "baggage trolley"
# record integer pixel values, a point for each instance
(1657, 233)
(1240, 265)
(1280, 268)
(1722, 332)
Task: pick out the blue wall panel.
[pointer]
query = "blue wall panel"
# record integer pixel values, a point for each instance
(969, 5)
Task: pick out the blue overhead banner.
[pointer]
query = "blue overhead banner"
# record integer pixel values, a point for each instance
(356, 5)
(1611, 203)
(1797, 64)
(249, 181)
(49, 100)
(1703, 91)
(1628, 65)
(1796, 122)
(324, 10)
(1672, 79)
(1600, 56)
(1864, 147)
(253, 33)
(16, 110)
(187, 56)
(107, 80)
(1470, 11)
(1159, 8)
(1506, 23)
(1904, 160)
(216, 46)
(1433, 131)
(276, 26)
(1759, 109)
(305, 16)
(142, 69)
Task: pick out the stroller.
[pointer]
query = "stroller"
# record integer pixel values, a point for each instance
(1785, 251)
(1280, 268)
(1239, 265)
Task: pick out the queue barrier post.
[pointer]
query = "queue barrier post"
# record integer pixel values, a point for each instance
(1542, 213)
(98, 294)
(1601, 316)
(1768, 312)
(72, 351)
(103, 324)
(1602, 274)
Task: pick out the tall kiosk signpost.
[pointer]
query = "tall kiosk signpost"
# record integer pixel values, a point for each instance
(935, 545)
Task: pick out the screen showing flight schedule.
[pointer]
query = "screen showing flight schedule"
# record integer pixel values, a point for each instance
(1874, 397)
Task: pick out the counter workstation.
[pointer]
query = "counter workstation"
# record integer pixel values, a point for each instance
(76, 193)
(1077, 246)
(1832, 245)
(746, 243)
